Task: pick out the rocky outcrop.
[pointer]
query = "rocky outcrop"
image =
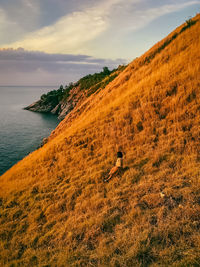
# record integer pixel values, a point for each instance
(60, 108)
(65, 108)
(56, 110)
(40, 106)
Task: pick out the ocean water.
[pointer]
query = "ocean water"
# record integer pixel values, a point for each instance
(21, 131)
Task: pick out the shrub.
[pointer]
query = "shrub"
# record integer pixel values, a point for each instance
(189, 23)
(35, 190)
(33, 260)
(158, 162)
(41, 218)
(17, 214)
(191, 97)
(21, 250)
(110, 223)
(23, 228)
(140, 126)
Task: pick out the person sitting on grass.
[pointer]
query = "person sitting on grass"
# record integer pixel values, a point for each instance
(117, 168)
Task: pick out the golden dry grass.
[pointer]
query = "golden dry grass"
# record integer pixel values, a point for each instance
(55, 208)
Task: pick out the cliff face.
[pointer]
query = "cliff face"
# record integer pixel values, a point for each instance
(54, 207)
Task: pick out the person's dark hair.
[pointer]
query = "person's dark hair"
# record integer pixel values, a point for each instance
(119, 154)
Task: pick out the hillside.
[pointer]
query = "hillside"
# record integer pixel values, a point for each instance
(55, 209)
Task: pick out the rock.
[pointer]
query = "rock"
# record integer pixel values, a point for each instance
(61, 109)
(40, 106)
(50, 103)
(65, 109)
(56, 110)
(44, 141)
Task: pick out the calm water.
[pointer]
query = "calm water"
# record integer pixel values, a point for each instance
(21, 131)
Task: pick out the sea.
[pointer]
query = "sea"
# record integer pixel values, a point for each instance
(21, 131)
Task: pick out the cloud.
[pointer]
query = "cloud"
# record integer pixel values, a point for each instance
(34, 6)
(17, 19)
(128, 29)
(70, 32)
(107, 21)
(99, 28)
(6, 24)
(22, 67)
(143, 17)
(22, 55)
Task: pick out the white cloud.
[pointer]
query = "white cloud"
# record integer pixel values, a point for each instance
(70, 32)
(142, 17)
(16, 19)
(98, 30)
(6, 24)
(33, 6)
(127, 21)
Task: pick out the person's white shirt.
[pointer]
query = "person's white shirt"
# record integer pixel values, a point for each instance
(119, 162)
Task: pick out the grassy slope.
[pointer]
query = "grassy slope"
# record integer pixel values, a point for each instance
(55, 208)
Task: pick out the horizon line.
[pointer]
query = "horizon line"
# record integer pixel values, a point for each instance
(29, 85)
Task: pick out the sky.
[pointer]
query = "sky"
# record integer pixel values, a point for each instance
(53, 42)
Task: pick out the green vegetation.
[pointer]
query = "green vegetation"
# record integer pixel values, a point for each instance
(91, 82)
(189, 23)
(66, 91)
(53, 96)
